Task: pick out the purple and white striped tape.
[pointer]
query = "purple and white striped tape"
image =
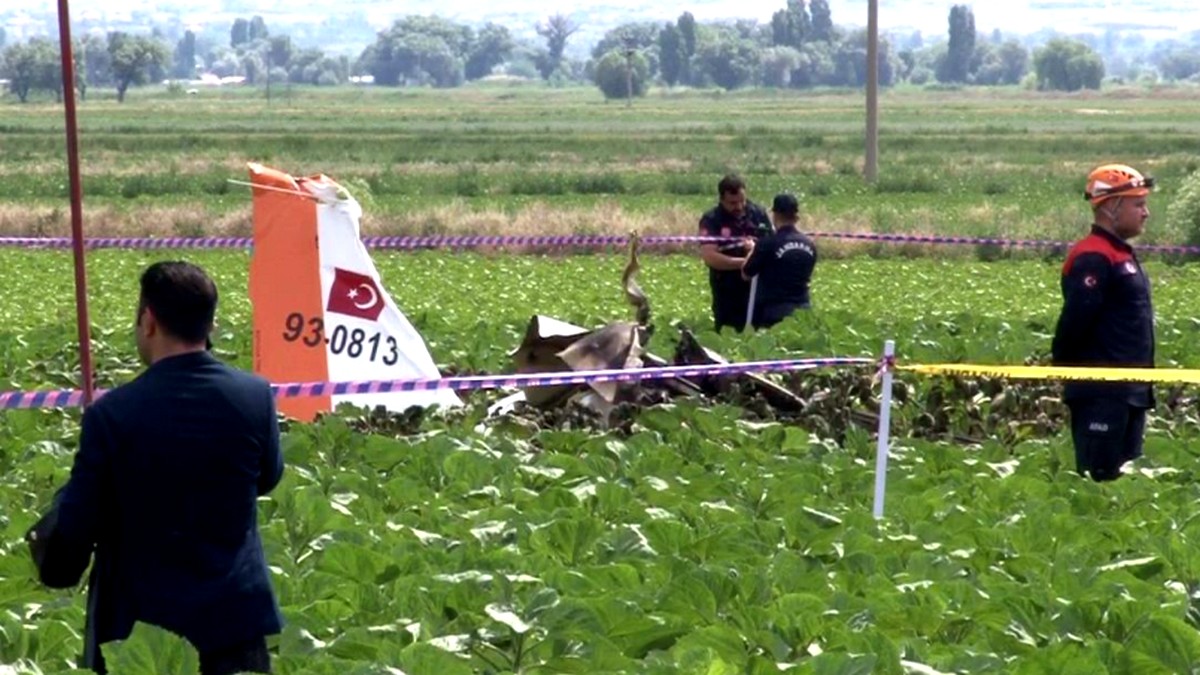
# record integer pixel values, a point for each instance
(376, 242)
(473, 241)
(69, 398)
(129, 242)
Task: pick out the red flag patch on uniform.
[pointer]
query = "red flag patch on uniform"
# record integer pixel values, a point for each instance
(355, 294)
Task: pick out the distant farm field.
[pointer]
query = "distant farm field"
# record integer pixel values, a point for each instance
(520, 159)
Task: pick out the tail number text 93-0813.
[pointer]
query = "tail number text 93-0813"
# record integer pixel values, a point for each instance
(356, 343)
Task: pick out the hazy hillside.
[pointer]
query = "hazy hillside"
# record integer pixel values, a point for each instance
(354, 22)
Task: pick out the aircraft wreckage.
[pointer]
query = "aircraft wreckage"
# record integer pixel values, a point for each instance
(552, 345)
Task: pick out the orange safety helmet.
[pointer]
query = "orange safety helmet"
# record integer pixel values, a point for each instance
(1116, 180)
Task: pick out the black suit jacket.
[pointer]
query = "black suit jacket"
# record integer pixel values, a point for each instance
(163, 491)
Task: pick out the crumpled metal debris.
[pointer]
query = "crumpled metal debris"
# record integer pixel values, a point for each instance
(551, 345)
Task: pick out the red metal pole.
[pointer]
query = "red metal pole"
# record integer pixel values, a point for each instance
(81, 296)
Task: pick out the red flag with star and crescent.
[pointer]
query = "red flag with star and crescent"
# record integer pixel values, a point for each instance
(354, 294)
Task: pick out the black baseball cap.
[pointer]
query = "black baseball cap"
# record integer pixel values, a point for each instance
(786, 204)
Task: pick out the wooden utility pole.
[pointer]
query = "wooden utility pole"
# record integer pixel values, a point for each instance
(76, 182)
(872, 159)
(629, 52)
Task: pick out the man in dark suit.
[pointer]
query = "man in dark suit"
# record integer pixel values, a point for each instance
(164, 489)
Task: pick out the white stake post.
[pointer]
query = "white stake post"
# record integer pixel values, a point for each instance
(750, 305)
(885, 423)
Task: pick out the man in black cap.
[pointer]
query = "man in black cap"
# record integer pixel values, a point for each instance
(784, 265)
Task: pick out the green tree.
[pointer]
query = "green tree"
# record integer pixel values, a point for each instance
(730, 63)
(610, 74)
(1179, 62)
(258, 29)
(239, 34)
(305, 66)
(557, 30)
(791, 27)
(457, 37)
(419, 50)
(493, 46)
(31, 66)
(781, 29)
(1183, 214)
(815, 66)
(997, 63)
(778, 64)
(822, 20)
(254, 66)
(134, 59)
(328, 71)
(97, 64)
(957, 65)
(1067, 65)
(185, 56)
(280, 51)
(850, 61)
(687, 32)
(1014, 62)
(641, 36)
(671, 57)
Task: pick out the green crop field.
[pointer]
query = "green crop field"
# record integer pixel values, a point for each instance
(698, 537)
(710, 536)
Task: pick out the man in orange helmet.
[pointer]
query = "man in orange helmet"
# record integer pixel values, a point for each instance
(1107, 321)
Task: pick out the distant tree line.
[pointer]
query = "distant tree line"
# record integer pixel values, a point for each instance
(801, 47)
(120, 60)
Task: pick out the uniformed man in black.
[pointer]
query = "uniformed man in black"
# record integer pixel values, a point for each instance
(1107, 321)
(737, 218)
(784, 265)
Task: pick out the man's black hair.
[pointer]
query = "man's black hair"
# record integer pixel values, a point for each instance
(731, 184)
(182, 297)
(786, 204)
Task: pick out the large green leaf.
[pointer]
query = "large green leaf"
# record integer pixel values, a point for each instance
(151, 650)
(721, 647)
(1164, 644)
(1061, 658)
(424, 658)
(569, 540)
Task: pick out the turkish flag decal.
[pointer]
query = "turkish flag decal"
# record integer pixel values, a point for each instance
(355, 294)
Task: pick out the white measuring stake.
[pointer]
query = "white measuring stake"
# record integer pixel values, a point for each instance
(885, 422)
(750, 306)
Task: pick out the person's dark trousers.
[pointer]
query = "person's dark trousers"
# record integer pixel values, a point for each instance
(249, 657)
(730, 317)
(768, 316)
(1106, 433)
